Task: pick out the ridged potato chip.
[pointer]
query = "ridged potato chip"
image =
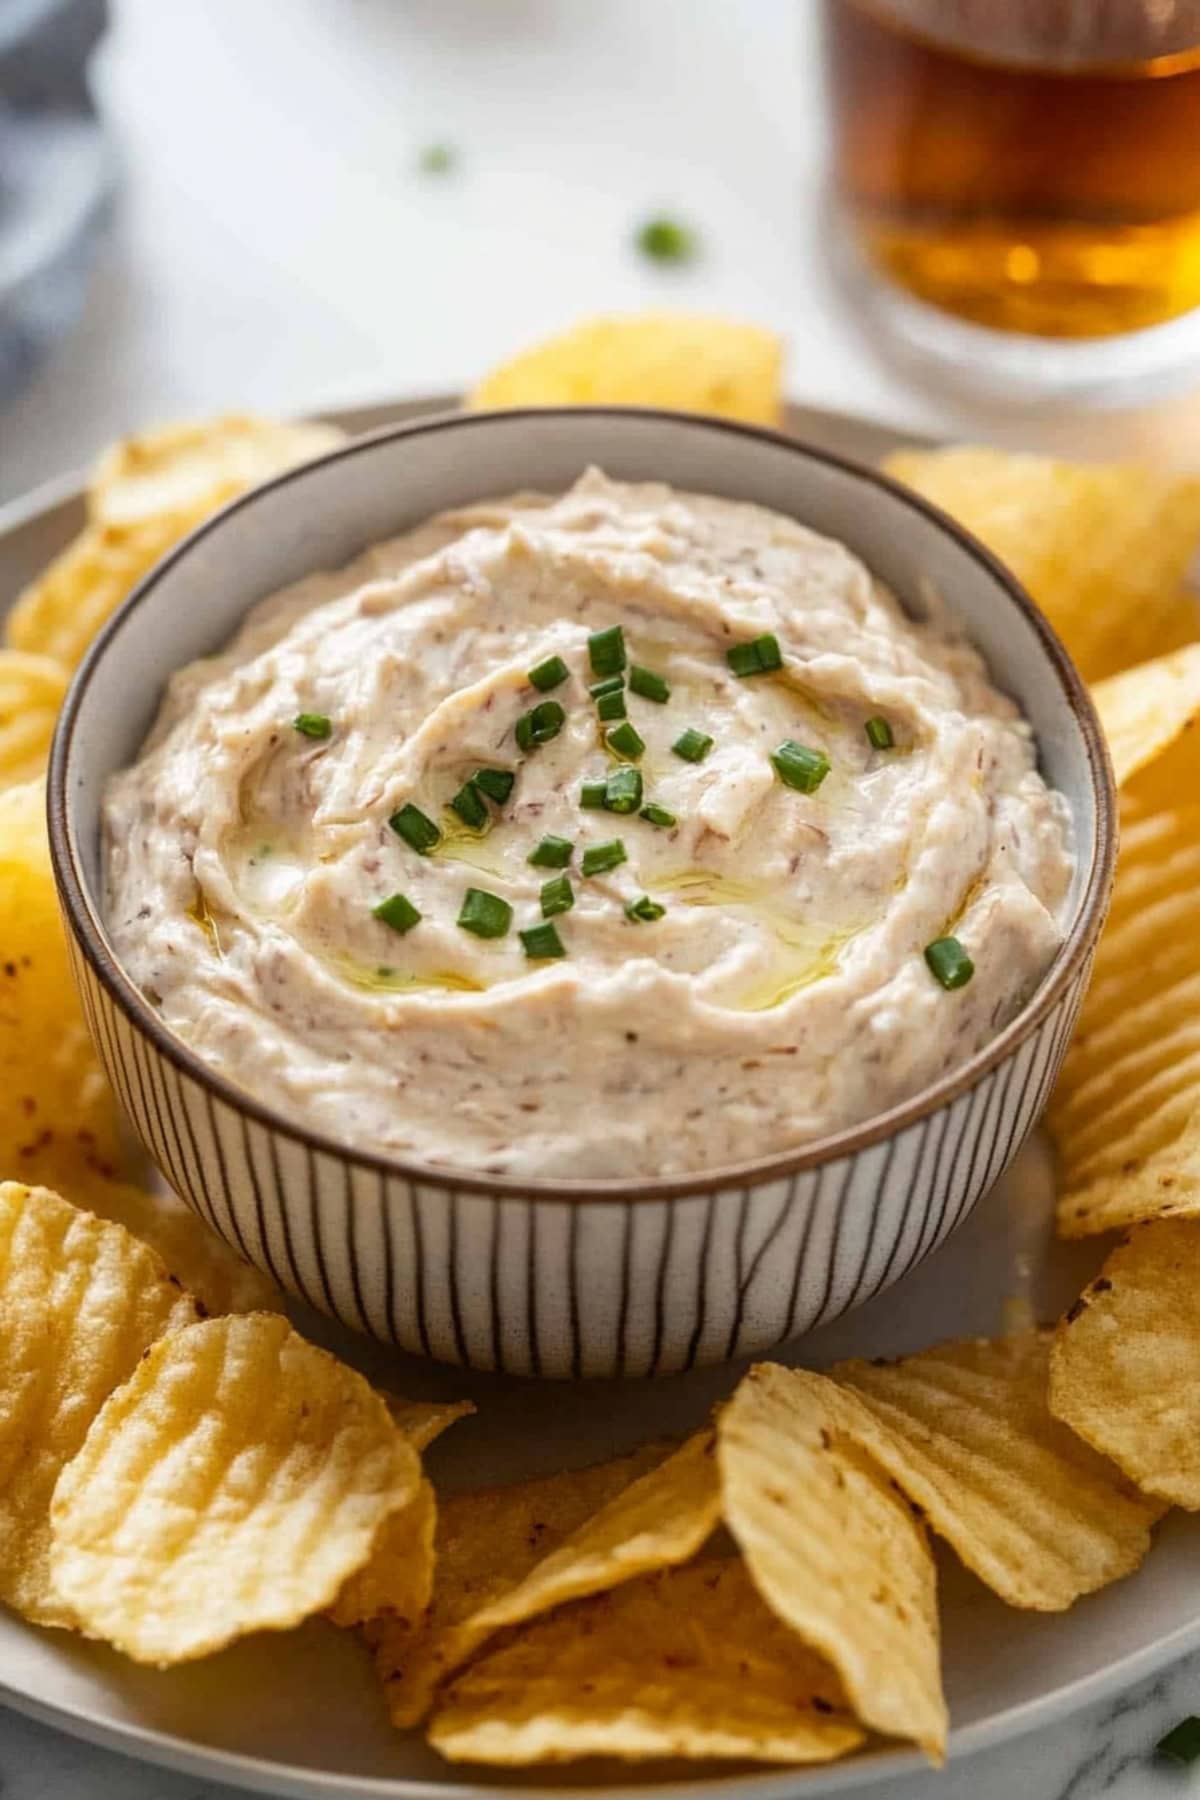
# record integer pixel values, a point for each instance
(686, 1663)
(80, 1303)
(194, 468)
(833, 1548)
(1125, 1370)
(233, 1485)
(1103, 548)
(31, 693)
(1125, 1114)
(487, 1543)
(58, 1118)
(213, 1273)
(676, 360)
(1146, 709)
(968, 1435)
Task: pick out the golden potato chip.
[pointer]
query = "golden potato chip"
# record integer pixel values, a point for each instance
(58, 1117)
(232, 1485)
(1103, 548)
(1144, 710)
(686, 1662)
(487, 1542)
(967, 1434)
(80, 1302)
(1125, 1370)
(832, 1547)
(210, 1271)
(423, 1421)
(31, 693)
(1125, 1114)
(194, 468)
(676, 360)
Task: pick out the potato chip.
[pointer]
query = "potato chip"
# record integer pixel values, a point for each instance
(832, 1547)
(232, 1485)
(686, 1662)
(58, 1117)
(676, 360)
(31, 693)
(213, 1273)
(968, 1435)
(1103, 548)
(487, 1542)
(1144, 710)
(1125, 1114)
(1125, 1370)
(423, 1421)
(80, 1302)
(193, 469)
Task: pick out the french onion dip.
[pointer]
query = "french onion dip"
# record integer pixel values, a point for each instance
(631, 832)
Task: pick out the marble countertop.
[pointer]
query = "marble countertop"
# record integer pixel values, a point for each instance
(276, 247)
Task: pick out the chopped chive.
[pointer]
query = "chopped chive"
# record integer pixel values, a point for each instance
(600, 858)
(949, 963)
(761, 656)
(1182, 1742)
(539, 726)
(611, 706)
(649, 685)
(468, 804)
(592, 793)
(606, 651)
(666, 240)
(313, 725)
(397, 912)
(800, 767)
(558, 896)
(658, 815)
(879, 734)
(549, 674)
(551, 853)
(693, 746)
(437, 159)
(416, 828)
(623, 790)
(624, 740)
(612, 684)
(541, 942)
(484, 914)
(644, 910)
(497, 784)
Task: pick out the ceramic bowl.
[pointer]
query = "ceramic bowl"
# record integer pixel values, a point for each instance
(562, 1278)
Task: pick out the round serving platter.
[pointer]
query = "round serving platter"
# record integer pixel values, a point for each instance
(300, 1714)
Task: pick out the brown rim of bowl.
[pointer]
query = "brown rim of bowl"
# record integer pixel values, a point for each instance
(89, 931)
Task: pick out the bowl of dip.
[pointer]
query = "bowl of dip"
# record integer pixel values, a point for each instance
(581, 892)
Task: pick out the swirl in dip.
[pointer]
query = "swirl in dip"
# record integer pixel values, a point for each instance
(753, 973)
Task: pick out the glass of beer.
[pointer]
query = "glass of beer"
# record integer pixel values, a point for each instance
(1020, 180)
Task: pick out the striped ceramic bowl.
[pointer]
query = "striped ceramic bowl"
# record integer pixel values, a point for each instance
(567, 1278)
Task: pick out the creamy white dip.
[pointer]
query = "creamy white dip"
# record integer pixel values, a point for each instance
(784, 991)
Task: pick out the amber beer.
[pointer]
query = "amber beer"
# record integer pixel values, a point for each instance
(1030, 165)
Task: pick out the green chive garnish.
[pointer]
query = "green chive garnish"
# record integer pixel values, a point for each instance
(600, 858)
(416, 828)
(497, 784)
(611, 706)
(487, 915)
(761, 656)
(539, 726)
(658, 815)
(949, 963)
(437, 159)
(693, 746)
(1182, 1742)
(558, 896)
(666, 240)
(397, 912)
(625, 741)
(623, 790)
(800, 767)
(549, 674)
(592, 793)
(649, 685)
(644, 911)
(468, 804)
(313, 725)
(551, 853)
(606, 651)
(612, 684)
(541, 942)
(879, 734)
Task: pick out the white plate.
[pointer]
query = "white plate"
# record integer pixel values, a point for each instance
(300, 1715)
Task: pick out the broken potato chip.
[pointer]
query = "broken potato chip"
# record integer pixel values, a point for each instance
(31, 693)
(234, 1484)
(1145, 710)
(192, 469)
